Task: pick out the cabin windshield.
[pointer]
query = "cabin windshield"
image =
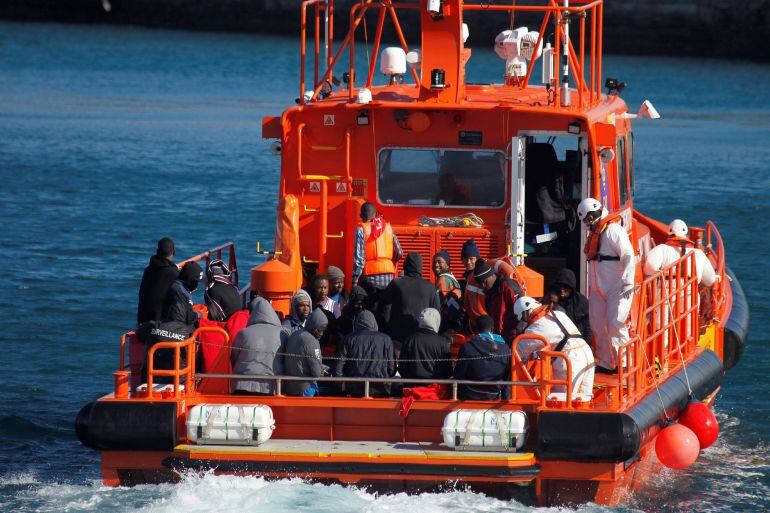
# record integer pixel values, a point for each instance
(441, 177)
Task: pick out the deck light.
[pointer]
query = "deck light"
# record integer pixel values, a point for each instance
(573, 128)
(434, 8)
(437, 78)
(607, 155)
(362, 119)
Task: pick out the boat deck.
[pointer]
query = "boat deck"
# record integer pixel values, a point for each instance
(357, 459)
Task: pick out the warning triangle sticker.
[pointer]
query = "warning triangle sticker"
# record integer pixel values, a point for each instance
(329, 120)
(342, 187)
(314, 187)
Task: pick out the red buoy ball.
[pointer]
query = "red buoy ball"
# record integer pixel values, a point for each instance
(677, 447)
(701, 420)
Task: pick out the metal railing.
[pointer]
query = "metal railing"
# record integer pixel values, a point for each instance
(586, 14)
(279, 379)
(216, 253)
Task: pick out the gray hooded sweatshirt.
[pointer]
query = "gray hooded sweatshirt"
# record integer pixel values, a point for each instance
(255, 349)
(303, 354)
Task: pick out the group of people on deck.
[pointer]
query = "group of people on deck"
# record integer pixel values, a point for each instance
(387, 326)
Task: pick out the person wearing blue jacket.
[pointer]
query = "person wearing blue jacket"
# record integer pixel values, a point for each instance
(485, 357)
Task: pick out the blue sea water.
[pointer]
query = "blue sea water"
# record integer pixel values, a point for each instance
(113, 137)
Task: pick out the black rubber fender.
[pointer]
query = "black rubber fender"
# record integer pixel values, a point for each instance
(736, 332)
(116, 425)
(587, 436)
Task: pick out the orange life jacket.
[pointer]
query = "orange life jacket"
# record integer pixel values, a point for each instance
(379, 250)
(592, 246)
(680, 243)
(537, 314)
(475, 297)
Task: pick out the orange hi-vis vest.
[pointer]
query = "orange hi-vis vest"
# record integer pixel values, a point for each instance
(379, 250)
(475, 297)
(680, 243)
(591, 248)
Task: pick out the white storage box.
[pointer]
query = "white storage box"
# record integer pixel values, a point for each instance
(485, 430)
(232, 424)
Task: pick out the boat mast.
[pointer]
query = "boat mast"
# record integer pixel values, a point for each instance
(565, 93)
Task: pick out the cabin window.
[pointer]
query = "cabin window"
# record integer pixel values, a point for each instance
(631, 179)
(441, 177)
(622, 177)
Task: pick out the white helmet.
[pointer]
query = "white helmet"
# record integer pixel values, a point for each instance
(524, 304)
(587, 206)
(678, 228)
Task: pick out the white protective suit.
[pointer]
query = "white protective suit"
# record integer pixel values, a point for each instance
(664, 255)
(577, 350)
(607, 309)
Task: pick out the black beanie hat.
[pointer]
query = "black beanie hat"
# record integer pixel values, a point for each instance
(191, 274)
(445, 255)
(481, 270)
(470, 249)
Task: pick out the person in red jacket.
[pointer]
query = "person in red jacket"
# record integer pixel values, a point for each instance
(501, 293)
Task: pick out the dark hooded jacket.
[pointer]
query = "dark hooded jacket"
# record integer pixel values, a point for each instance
(366, 353)
(405, 298)
(425, 354)
(482, 359)
(303, 354)
(256, 347)
(344, 325)
(157, 278)
(576, 305)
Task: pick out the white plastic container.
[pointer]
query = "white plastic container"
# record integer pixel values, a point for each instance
(485, 430)
(230, 424)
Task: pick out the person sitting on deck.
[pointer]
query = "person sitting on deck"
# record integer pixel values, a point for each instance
(303, 356)
(299, 311)
(500, 293)
(256, 350)
(405, 298)
(376, 250)
(337, 286)
(485, 357)
(562, 335)
(450, 293)
(425, 354)
(366, 353)
(356, 303)
(221, 296)
(157, 278)
(564, 294)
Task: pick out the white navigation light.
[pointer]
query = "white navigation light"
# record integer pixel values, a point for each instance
(414, 59)
(364, 96)
(393, 61)
(466, 32)
(646, 110)
(517, 47)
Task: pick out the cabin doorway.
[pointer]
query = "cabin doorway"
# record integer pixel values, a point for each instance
(549, 175)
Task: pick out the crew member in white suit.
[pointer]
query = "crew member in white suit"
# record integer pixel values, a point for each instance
(664, 255)
(677, 246)
(610, 257)
(562, 335)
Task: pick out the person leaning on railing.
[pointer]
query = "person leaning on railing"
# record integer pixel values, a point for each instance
(302, 356)
(485, 357)
(425, 354)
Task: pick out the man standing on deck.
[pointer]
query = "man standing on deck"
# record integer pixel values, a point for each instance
(376, 251)
(677, 246)
(610, 257)
(157, 278)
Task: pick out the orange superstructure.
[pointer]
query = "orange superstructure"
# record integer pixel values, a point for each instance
(445, 159)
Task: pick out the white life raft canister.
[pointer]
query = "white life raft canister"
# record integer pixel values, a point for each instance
(485, 430)
(230, 424)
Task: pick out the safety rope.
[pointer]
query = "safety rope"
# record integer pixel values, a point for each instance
(656, 378)
(470, 219)
(350, 359)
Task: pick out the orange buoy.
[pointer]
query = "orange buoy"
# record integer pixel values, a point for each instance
(677, 446)
(701, 420)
